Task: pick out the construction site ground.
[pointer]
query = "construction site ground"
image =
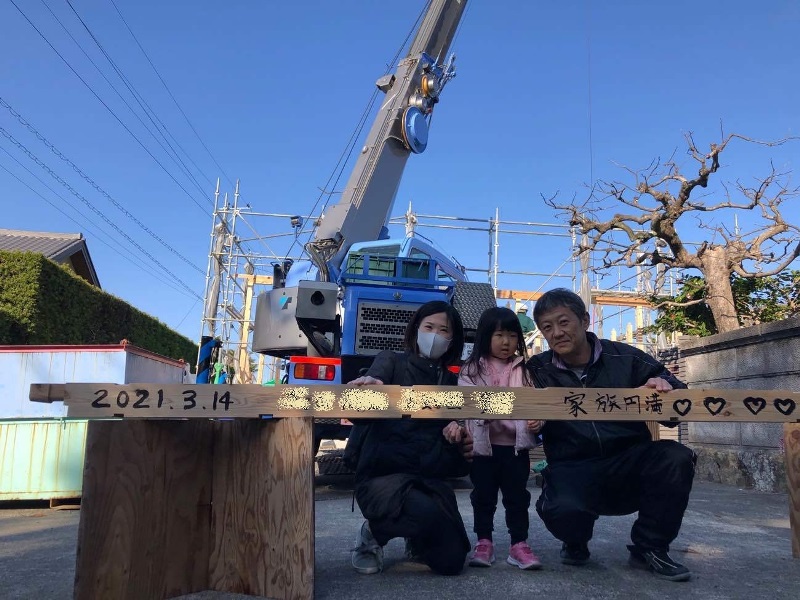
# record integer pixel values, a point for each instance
(737, 543)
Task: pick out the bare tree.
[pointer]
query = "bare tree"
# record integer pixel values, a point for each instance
(661, 195)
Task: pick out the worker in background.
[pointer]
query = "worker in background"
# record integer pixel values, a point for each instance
(525, 321)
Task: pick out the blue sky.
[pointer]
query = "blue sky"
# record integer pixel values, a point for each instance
(548, 97)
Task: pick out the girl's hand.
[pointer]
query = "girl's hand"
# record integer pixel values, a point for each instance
(535, 426)
(453, 432)
(366, 380)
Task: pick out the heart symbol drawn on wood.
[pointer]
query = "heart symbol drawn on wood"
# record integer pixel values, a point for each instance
(754, 405)
(682, 407)
(785, 406)
(714, 405)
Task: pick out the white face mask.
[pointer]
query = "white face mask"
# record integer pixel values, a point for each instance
(432, 345)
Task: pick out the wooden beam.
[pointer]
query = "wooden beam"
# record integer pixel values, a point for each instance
(46, 392)
(602, 297)
(100, 400)
(256, 279)
(521, 295)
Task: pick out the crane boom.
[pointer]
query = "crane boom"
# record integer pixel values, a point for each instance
(399, 129)
(357, 297)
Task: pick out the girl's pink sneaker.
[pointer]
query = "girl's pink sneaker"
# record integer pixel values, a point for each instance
(523, 557)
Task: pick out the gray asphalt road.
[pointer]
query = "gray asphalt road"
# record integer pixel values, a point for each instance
(737, 543)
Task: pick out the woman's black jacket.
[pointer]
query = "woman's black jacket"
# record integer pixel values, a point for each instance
(394, 455)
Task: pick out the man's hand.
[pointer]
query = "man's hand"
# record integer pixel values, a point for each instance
(453, 432)
(535, 426)
(366, 380)
(658, 384)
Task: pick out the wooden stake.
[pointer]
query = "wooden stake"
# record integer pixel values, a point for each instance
(791, 446)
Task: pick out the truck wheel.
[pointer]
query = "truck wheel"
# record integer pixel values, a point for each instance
(331, 463)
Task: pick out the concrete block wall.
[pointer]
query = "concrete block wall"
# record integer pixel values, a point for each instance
(759, 357)
(672, 359)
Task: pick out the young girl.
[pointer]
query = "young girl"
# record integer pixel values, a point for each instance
(501, 461)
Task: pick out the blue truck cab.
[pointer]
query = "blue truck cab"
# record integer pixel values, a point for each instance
(381, 285)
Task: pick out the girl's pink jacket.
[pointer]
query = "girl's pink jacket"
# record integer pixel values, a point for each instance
(479, 428)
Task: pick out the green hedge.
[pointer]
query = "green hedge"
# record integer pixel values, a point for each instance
(43, 303)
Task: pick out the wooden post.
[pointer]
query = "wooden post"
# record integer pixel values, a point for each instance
(791, 447)
(655, 430)
(172, 507)
(146, 509)
(243, 372)
(263, 513)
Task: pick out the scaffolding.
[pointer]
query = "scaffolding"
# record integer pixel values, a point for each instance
(237, 271)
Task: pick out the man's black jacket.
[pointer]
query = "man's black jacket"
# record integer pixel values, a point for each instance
(617, 366)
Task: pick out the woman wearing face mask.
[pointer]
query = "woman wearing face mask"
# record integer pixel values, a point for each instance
(401, 464)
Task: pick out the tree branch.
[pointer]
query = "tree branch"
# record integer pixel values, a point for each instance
(671, 303)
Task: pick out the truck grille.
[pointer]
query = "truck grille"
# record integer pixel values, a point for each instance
(382, 326)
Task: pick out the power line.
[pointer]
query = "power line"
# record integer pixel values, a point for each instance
(97, 233)
(191, 308)
(108, 108)
(125, 101)
(91, 182)
(166, 87)
(146, 108)
(98, 212)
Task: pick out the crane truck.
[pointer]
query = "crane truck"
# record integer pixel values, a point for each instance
(330, 315)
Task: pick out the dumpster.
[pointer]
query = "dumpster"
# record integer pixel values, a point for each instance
(41, 452)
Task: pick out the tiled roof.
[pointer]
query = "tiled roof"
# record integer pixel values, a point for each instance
(53, 245)
(59, 247)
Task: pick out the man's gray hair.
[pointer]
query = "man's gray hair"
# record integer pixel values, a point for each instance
(557, 298)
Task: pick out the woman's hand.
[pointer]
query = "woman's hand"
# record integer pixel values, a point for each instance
(366, 380)
(466, 445)
(457, 434)
(535, 426)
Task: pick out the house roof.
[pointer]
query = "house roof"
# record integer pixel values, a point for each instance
(60, 247)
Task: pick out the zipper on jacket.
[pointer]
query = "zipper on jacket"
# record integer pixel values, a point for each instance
(596, 433)
(582, 383)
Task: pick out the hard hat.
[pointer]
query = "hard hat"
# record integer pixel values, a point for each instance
(521, 307)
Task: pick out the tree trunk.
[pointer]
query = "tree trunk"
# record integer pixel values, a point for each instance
(719, 295)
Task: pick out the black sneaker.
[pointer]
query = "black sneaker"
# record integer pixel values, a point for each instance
(367, 556)
(411, 554)
(574, 554)
(659, 562)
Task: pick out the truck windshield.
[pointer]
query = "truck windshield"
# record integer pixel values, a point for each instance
(381, 260)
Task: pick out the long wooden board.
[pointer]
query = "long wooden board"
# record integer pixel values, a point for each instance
(99, 400)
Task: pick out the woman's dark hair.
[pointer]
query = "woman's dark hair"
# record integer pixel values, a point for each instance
(557, 298)
(453, 354)
(491, 320)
